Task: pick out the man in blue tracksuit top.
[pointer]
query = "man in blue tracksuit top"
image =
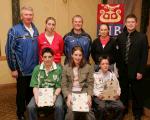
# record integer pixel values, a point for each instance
(22, 57)
(77, 36)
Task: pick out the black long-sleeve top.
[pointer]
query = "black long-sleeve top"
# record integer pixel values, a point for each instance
(110, 50)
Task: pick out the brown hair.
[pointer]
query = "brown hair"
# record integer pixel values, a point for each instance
(50, 18)
(104, 57)
(82, 63)
(77, 16)
(131, 16)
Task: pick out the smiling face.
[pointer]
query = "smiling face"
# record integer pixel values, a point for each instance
(47, 58)
(77, 57)
(77, 23)
(50, 26)
(131, 24)
(103, 30)
(26, 16)
(104, 65)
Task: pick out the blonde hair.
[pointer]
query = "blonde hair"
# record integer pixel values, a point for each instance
(29, 8)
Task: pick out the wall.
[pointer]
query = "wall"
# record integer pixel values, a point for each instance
(46, 8)
(137, 12)
(62, 10)
(6, 22)
(148, 35)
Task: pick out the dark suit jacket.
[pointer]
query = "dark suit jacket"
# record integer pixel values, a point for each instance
(138, 54)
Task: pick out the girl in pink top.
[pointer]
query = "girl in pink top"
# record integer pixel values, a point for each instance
(51, 39)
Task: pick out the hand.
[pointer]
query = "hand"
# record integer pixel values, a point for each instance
(117, 97)
(89, 102)
(101, 97)
(14, 74)
(69, 100)
(54, 98)
(139, 76)
(36, 94)
(36, 99)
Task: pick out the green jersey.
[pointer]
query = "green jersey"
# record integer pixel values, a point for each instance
(43, 79)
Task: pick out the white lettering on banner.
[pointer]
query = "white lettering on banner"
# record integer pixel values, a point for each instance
(117, 30)
(114, 30)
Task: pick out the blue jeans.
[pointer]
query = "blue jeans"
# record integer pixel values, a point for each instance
(59, 109)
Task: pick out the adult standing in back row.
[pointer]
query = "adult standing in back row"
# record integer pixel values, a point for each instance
(77, 36)
(22, 57)
(132, 59)
(104, 45)
(50, 38)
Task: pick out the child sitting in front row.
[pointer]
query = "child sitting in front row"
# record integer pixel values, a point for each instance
(104, 104)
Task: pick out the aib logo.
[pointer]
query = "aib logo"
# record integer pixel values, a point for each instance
(113, 15)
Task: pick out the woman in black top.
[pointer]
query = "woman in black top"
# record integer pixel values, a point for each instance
(104, 46)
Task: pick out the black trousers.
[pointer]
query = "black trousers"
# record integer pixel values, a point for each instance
(24, 93)
(131, 89)
(107, 109)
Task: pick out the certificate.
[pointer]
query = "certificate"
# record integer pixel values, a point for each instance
(79, 102)
(45, 97)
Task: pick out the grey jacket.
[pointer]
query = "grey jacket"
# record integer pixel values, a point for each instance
(86, 79)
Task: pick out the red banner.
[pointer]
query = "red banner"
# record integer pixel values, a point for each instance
(113, 15)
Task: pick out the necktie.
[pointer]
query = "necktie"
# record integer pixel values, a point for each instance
(128, 43)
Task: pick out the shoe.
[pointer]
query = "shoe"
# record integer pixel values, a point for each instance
(21, 117)
(137, 118)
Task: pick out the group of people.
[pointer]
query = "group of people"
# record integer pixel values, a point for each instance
(35, 62)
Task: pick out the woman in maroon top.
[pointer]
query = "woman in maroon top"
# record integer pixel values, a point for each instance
(51, 39)
(104, 46)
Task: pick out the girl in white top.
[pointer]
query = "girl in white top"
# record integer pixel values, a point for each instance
(103, 103)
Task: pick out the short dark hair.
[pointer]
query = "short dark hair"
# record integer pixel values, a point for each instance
(131, 16)
(104, 57)
(47, 50)
(83, 62)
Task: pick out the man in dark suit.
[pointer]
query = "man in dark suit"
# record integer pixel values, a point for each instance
(132, 58)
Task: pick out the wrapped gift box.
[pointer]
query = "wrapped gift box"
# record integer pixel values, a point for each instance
(45, 97)
(79, 102)
(110, 90)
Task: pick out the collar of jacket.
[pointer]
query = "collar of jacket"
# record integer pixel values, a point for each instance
(132, 33)
(78, 35)
(33, 26)
(53, 67)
